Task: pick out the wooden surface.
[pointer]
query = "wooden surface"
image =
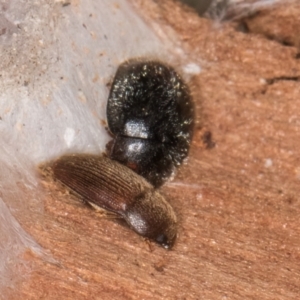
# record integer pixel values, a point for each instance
(237, 201)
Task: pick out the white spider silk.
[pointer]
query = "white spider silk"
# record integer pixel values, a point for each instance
(56, 62)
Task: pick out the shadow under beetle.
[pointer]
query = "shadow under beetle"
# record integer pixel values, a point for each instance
(150, 115)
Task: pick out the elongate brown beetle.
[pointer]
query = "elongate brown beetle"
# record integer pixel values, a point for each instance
(116, 188)
(150, 114)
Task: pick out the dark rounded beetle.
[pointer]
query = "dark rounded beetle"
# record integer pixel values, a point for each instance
(150, 114)
(114, 187)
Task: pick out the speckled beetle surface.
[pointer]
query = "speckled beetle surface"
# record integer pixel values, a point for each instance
(150, 115)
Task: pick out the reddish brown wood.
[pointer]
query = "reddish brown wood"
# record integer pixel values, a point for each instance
(238, 202)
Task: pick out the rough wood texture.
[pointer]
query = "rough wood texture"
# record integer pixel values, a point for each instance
(238, 202)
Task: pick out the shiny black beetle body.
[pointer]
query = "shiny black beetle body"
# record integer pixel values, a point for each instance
(150, 114)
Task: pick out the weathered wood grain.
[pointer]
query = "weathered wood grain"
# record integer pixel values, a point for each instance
(238, 203)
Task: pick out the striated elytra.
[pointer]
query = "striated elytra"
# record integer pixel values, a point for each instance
(150, 114)
(116, 188)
